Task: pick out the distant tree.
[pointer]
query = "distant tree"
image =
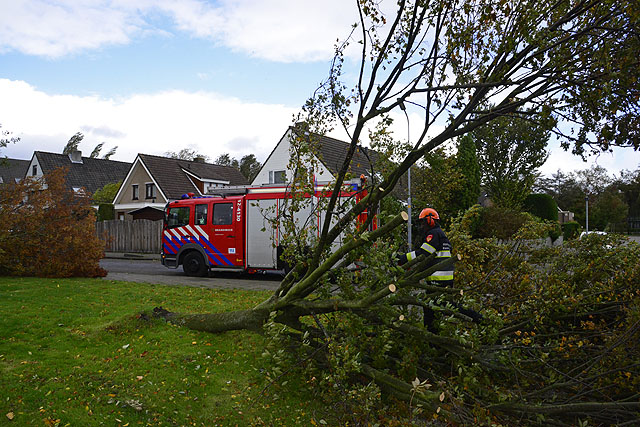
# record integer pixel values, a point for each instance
(48, 231)
(467, 165)
(6, 138)
(437, 181)
(249, 166)
(611, 199)
(563, 187)
(593, 180)
(110, 153)
(107, 193)
(608, 209)
(186, 154)
(629, 184)
(96, 151)
(510, 151)
(226, 160)
(72, 144)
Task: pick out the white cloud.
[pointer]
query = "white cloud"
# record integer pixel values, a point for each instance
(143, 123)
(53, 29)
(615, 161)
(277, 30)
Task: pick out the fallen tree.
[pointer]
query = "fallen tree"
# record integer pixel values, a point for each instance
(460, 65)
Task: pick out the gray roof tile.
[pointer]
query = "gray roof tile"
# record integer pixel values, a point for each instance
(332, 153)
(92, 174)
(168, 174)
(10, 169)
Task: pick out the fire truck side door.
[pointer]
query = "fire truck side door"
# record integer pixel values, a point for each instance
(226, 235)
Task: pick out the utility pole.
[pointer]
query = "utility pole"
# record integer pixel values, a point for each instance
(404, 109)
(586, 200)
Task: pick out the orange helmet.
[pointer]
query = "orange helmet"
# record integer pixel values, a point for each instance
(430, 215)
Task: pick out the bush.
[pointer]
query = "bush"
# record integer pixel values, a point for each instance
(556, 231)
(106, 212)
(469, 222)
(499, 222)
(570, 230)
(48, 231)
(541, 205)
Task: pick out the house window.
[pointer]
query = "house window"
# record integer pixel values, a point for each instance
(178, 217)
(135, 191)
(277, 177)
(151, 191)
(201, 215)
(34, 170)
(223, 214)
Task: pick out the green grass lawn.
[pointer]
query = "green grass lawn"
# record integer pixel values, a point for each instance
(74, 352)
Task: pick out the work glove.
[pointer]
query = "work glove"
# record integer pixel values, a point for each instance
(401, 259)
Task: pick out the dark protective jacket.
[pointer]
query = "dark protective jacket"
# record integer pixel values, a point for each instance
(435, 241)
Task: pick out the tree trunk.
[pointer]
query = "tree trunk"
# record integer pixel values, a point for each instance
(252, 320)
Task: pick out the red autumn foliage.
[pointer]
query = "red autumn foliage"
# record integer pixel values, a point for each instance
(48, 230)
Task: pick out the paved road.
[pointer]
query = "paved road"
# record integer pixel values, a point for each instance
(152, 271)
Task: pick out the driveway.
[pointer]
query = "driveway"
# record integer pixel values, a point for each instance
(152, 271)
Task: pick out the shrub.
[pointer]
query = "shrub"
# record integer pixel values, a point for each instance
(556, 231)
(570, 230)
(468, 222)
(541, 205)
(499, 222)
(48, 231)
(106, 212)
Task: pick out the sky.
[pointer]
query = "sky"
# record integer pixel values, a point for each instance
(153, 76)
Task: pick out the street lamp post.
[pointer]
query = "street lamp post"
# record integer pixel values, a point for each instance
(404, 109)
(586, 201)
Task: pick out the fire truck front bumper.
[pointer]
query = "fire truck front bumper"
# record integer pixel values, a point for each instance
(169, 261)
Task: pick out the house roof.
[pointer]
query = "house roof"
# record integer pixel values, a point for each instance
(332, 153)
(92, 174)
(173, 181)
(12, 169)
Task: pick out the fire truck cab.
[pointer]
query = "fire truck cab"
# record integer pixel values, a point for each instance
(233, 232)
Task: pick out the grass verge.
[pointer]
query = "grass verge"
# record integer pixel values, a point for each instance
(74, 352)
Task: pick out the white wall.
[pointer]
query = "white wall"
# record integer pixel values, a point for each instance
(279, 160)
(34, 161)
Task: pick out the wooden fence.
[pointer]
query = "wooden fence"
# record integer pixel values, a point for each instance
(139, 236)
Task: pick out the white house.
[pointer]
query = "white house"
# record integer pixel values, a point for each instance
(330, 153)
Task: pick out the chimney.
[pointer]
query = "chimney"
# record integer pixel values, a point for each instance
(76, 156)
(198, 159)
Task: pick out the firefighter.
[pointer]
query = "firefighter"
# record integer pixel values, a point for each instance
(436, 241)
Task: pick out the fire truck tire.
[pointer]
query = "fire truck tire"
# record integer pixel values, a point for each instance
(193, 265)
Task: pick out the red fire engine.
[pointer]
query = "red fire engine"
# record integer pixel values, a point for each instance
(231, 232)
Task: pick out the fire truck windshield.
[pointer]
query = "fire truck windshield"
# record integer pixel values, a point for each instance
(178, 216)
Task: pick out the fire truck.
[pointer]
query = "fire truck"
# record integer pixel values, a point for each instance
(238, 229)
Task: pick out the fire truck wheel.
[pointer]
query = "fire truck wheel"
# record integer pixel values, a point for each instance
(193, 265)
